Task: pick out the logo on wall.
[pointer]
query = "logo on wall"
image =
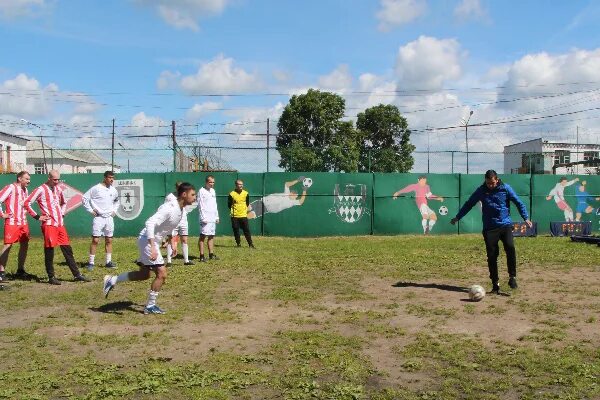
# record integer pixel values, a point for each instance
(131, 198)
(72, 196)
(350, 203)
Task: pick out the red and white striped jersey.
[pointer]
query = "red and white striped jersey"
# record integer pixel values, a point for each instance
(51, 202)
(13, 196)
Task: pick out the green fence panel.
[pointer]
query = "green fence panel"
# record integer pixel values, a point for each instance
(404, 213)
(471, 223)
(335, 204)
(579, 192)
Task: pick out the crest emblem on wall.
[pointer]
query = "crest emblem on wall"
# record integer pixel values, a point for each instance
(349, 203)
(131, 198)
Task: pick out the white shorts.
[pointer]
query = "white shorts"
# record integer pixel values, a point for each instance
(425, 210)
(182, 228)
(103, 226)
(208, 229)
(144, 251)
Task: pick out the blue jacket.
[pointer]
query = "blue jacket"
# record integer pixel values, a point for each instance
(495, 205)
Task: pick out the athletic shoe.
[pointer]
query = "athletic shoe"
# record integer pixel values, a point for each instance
(111, 265)
(108, 286)
(238, 245)
(202, 259)
(495, 288)
(189, 262)
(2, 276)
(89, 266)
(251, 246)
(82, 278)
(213, 257)
(53, 281)
(153, 310)
(512, 282)
(21, 274)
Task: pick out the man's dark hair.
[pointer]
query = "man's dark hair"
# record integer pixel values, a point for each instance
(20, 174)
(184, 187)
(562, 178)
(108, 173)
(422, 177)
(490, 173)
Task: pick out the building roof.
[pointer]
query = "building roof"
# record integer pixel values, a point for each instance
(548, 143)
(14, 138)
(90, 157)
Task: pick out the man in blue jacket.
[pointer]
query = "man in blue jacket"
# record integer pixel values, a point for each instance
(495, 197)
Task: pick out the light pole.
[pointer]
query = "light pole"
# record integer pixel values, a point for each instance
(127, 151)
(41, 141)
(466, 122)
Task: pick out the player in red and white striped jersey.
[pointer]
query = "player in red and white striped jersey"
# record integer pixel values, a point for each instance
(16, 228)
(52, 204)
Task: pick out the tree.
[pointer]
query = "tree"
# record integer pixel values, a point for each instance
(312, 136)
(384, 140)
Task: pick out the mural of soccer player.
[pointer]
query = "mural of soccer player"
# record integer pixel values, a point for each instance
(583, 197)
(558, 192)
(277, 202)
(422, 194)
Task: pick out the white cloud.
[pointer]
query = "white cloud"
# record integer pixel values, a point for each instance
(399, 12)
(337, 80)
(428, 62)
(470, 9)
(199, 110)
(184, 14)
(217, 76)
(12, 9)
(26, 97)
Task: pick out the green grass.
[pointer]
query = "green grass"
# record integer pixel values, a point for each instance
(328, 318)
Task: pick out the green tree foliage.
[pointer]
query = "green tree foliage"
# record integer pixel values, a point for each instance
(312, 136)
(384, 140)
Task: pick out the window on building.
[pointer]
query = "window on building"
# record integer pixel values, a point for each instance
(591, 155)
(562, 157)
(89, 171)
(38, 168)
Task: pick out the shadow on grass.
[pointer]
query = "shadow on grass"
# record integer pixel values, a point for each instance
(448, 288)
(116, 308)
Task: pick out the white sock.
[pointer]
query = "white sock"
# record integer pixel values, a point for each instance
(123, 277)
(92, 257)
(151, 299)
(108, 257)
(431, 224)
(424, 224)
(169, 252)
(184, 250)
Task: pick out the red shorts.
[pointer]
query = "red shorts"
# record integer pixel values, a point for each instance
(55, 236)
(16, 233)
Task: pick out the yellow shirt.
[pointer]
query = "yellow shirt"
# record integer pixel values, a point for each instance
(238, 204)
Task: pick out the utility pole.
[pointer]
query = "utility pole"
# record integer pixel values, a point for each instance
(112, 148)
(174, 147)
(428, 149)
(467, 138)
(268, 122)
(577, 151)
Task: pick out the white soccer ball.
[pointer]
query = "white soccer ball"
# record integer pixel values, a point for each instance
(443, 210)
(307, 182)
(476, 293)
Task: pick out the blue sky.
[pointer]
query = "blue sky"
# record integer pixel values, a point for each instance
(72, 66)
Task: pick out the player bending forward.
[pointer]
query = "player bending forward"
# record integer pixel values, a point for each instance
(162, 223)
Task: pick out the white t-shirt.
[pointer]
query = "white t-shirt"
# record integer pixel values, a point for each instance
(207, 205)
(167, 217)
(104, 200)
(277, 202)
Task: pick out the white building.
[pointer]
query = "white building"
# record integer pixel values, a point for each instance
(12, 153)
(64, 161)
(538, 156)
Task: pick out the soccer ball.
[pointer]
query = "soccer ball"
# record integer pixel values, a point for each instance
(476, 293)
(307, 182)
(443, 210)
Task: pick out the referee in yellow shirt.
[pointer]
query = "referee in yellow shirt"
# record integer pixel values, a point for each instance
(238, 202)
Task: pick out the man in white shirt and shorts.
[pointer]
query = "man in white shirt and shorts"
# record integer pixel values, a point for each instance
(181, 231)
(208, 214)
(167, 217)
(102, 201)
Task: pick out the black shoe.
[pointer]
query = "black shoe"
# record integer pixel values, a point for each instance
(22, 275)
(512, 282)
(251, 246)
(111, 265)
(53, 281)
(213, 257)
(495, 288)
(189, 262)
(82, 278)
(238, 245)
(202, 259)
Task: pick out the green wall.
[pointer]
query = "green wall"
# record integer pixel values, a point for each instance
(336, 203)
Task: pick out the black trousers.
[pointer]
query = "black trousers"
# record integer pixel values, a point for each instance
(69, 258)
(236, 223)
(491, 238)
